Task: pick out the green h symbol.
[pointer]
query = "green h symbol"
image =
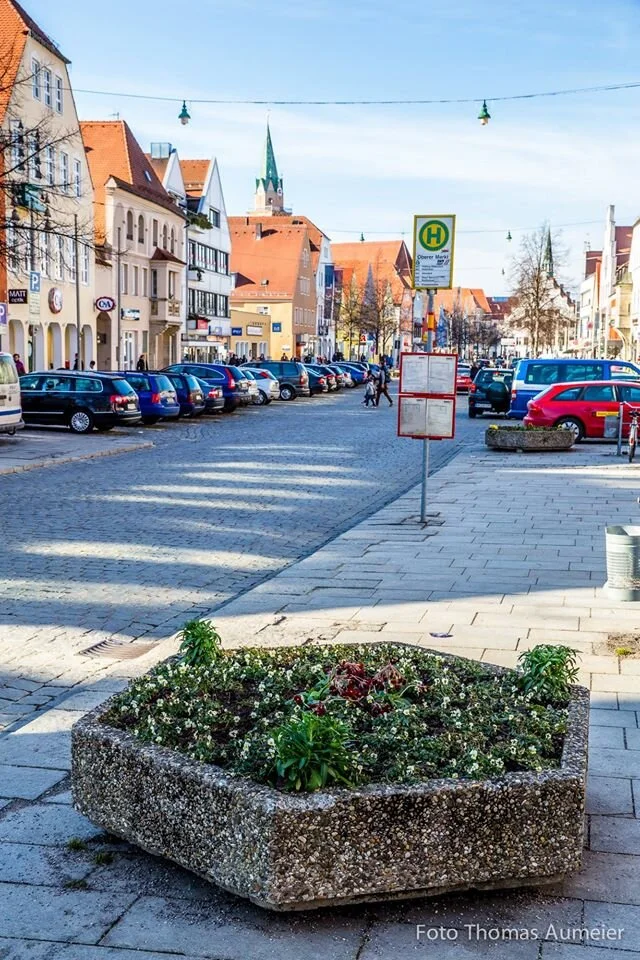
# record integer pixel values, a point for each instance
(434, 234)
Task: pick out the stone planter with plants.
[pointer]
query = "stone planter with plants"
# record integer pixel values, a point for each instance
(522, 438)
(309, 776)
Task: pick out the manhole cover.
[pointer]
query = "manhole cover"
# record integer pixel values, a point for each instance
(117, 650)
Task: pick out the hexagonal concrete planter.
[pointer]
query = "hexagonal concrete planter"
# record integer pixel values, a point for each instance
(303, 851)
(517, 438)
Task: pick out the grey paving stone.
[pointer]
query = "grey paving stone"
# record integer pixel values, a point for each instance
(615, 835)
(605, 737)
(390, 941)
(612, 718)
(632, 737)
(565, 951)
(189, 927)
(27, 783)
(65, 798)
(44, 742)
(35, 950)
(30, 863)
(40, 913)
(607, 877)
(614, 763)
(46, 823)
(521, 908)
(610, 796)
(139, 872)
(615, 917)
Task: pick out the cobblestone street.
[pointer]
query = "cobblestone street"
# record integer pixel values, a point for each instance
(129, 547)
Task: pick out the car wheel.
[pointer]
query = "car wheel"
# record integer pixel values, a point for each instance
(149, 421)
(263, 398)
(575, 426)
(81, 421)
(287, 392)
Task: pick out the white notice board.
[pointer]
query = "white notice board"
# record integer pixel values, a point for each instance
(428, 373)
(426, 418)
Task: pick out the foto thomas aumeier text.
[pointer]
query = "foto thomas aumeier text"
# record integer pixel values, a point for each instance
(553, 932)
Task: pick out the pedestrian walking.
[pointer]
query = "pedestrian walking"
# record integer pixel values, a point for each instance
(92, 365)
(75, 362)
(384, 378)
(369, 392)
(19, 365)
(142, 362)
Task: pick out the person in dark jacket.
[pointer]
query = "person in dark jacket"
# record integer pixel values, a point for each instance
(384, 377)
(19, 365)
(142, 362)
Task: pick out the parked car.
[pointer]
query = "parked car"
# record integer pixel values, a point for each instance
(463, 378)
(490, 392)
(157, 395)
(189, 392)
(533, 376)
(358, 373)
(213, 397)
(292, 375)
(344, 376)
(235, 386)
(268, 384)
(10, 407)
(254, 393)
(589, 409)
(317, 381)
(329, 375)
(79, 400)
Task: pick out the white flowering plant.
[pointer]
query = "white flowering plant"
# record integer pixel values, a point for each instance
(302, 718)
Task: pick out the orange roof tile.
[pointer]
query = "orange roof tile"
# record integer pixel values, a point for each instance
(389, 261)
(114, 152)
(159, 164)
(274, 257)
(194, 174)
(316, 235)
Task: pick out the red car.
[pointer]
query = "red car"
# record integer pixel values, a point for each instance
(463, 380)
(589, 408)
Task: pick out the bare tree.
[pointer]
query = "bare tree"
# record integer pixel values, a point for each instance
(380, 316)
(349, 310)
(37, 189)
(541, 305)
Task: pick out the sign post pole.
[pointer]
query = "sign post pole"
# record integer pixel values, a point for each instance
(425, 443)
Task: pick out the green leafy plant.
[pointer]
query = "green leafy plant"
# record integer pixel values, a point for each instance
(623, 652)
(76, 844)
(200, 643)
(548, 671)
(103, 858)
(311, 752)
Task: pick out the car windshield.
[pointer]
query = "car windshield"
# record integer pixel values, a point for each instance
(236, 372)
(485, 376)
(123, 388)
(8, 372)
(163, 383)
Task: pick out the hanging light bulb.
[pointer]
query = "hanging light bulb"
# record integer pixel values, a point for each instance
(509, 237)
(362, 238)
(184, 116)
(484, 116)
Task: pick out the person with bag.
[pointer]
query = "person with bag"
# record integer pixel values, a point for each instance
(384, 378)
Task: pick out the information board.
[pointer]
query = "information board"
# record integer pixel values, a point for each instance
(427, 400)
(423, 418)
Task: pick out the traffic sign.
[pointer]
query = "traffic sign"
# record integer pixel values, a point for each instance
(4, 315)
(433, 249)
(34, 294)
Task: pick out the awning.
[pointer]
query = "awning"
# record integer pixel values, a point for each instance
(615, 335)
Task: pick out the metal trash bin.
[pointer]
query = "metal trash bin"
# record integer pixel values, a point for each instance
(623, 562)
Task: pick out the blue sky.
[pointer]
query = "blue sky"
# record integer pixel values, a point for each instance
(370, 169)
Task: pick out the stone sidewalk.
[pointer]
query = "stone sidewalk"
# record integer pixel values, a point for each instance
(514, 557)
(32, 448)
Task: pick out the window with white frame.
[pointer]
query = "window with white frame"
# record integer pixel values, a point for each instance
(140, 229)
(135, 277)
(77, 178)
(17, 145)
(144, 281)
(64, 172)
(50, 164)
(36, 87)
(46, 87)
(58, 88)
(129, 225)
(44, 254)
(154, 284)
(60, 259)
(13, 249)
(84, 270)
(165, 237)
(125, 278)
(35, 164)
(73, 264)
(173, 240)
(154, 233)
(214, 217)
(172, 284)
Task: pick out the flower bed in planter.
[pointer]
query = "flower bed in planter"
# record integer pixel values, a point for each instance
(310, 776)
(528, 438)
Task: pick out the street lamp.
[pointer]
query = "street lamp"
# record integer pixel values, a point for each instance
(484, 116)
(509, 237)
(184, 116)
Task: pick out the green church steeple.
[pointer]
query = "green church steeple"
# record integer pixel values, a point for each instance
(547, 261)
(269, 170)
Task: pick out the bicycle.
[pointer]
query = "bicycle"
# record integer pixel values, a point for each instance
(633, 432)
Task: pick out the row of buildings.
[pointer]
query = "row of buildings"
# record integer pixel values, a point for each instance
(110, 250)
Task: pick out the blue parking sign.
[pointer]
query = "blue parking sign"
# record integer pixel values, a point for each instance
(4, 315)
(34, 282)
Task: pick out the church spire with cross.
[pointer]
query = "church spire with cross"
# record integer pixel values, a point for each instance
(269, 195)
(547, 260)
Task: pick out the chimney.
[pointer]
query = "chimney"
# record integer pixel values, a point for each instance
(258, 231)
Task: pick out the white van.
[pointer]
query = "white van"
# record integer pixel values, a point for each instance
(10, 406)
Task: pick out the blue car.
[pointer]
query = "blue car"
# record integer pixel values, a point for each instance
(190, 393)
(358, 375)
(157, 395)
(235, 386)
(533, 376)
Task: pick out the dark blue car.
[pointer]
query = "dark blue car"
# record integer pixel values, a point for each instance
(158, 398)
(189, 391)
(235, 386)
